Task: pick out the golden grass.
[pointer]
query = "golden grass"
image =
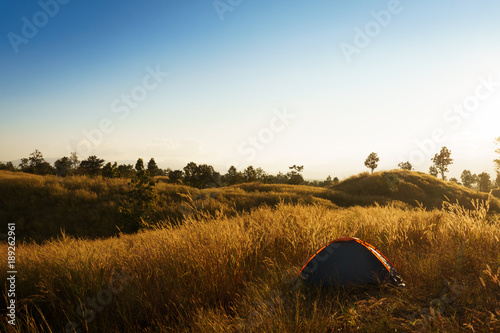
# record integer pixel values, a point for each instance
(238, 273)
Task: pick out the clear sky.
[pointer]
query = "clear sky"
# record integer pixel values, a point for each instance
(263, 83)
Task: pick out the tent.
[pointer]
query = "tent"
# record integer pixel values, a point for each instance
(349, 261)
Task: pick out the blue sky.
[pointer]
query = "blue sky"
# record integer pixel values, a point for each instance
(270, 84)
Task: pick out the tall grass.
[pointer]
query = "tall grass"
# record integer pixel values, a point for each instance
(238, 273)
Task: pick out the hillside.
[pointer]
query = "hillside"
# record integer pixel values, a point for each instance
(410, 187)
(44, 206)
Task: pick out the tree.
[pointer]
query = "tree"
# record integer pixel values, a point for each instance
(484, 182)
(433, 171)
(467, 178)
(153, 168)
(91, 166)
(175, 176)
(249, 174)
(73, 158)
(7, 166)
(294, 176)
(336, 180)
(139, 165)
(371, 161)
(200, 176)
(405, 165)
(497, 180)
(232, 176)
(262, 176)
(36, 164)
(455, 180)
(111, 170)
(142, 202)
(442, 160)
(63, 166)
(126, 171)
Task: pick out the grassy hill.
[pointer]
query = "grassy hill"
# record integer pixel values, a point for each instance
(226, 260)
(44, 206)
(410, 187)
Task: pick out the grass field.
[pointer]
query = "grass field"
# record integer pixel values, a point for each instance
(230, 262)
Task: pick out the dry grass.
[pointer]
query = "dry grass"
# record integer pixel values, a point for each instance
(238, 273)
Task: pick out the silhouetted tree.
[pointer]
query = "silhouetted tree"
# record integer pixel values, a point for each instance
(442, 160)
(200, 176)
(455, 180)
(336, 180)
(232, 176)
(139, 165)
(126, 171)
(63, 166)
(497, 180)
(111, 170)
(371, 161)
(175, 176)
(484, 181)
(91, 166)
(249, 174)
(36, 164)
(153, 168)
(405, 165)
(294, 176)
(262, 176)
(7, 166)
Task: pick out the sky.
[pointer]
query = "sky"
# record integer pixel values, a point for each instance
(264, 83)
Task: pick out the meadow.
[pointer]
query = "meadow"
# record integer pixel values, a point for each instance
(226, 260)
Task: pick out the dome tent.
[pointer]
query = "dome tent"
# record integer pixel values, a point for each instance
(349, 261)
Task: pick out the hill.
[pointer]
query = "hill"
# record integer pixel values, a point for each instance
(410, 187)
(44, 206)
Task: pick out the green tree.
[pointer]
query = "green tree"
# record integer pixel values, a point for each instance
(91, 166)
(371, 161)
(142, 199)
(484, 182)
(442, 160)
(467, 178)
(433, 171)
(405, 166)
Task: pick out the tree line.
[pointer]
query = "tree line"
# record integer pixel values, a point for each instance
(195, 175)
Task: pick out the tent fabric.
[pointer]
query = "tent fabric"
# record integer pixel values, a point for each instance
(346, 261)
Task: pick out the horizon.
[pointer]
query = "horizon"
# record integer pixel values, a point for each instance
(248, 83)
